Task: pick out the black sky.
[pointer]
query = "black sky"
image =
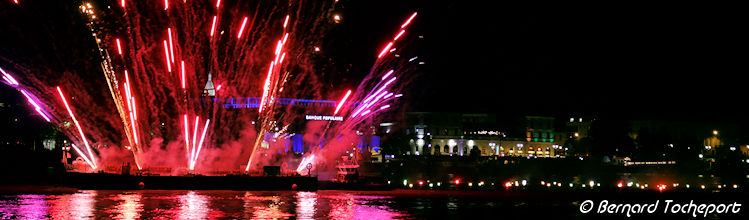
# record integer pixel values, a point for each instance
(657, 61)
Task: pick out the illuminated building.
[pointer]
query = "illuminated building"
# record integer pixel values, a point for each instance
(458, 134)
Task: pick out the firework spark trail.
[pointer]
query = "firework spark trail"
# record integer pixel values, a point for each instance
(183, 74)
(268, 92)
(37, 108)
(171, 44)
(399, 35)
(80, 131)
(340, 103)
(119, 48)
(303, 164)
(8, 78)
(187, 134)
(366, 103)
(200, 145)
(376, 96)
(385, 50)
(83, 156)
(131, 107)
(213, 26)
(13, 83)
(387, 74)
(226, 63)
(194, 139)
(409, 20)
(241, 29)
(166, 55)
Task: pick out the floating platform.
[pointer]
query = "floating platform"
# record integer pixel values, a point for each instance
(191, 182)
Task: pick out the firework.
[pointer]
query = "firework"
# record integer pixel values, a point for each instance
(119, 48)
(233, 61)
(83, 156)
(183, 74)
(340, 104)
(166, 55)
(36, 106)
(241, 29)
(303, 165)
(77, 125)
(171, 45)
(385, 50)
(187, 134)
(200, 145)
(213, 26)
(8, 78)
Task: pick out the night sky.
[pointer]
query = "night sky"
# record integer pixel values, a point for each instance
(655, 61)
(666, 61)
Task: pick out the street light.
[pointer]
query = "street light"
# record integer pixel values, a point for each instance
(715, 132)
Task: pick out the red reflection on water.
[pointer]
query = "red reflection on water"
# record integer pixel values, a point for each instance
(256, 205)
(193, 206)
(75, 206)
(129, 206)
(341, 206)
(306, 202)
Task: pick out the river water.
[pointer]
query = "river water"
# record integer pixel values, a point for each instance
(185, 204)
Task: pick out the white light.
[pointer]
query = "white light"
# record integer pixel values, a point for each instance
(733, 148)
(701, 156)
(524, 182)
(405, 182)
(572, 119)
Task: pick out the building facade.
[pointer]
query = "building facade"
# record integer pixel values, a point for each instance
(458, 134)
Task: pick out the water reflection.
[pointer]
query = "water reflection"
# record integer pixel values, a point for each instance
(129, 206)
(75, 206)
(347, 206)
(160, 204)
(29, 206)
(265, 206)
(193, 206)
(306, 202)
